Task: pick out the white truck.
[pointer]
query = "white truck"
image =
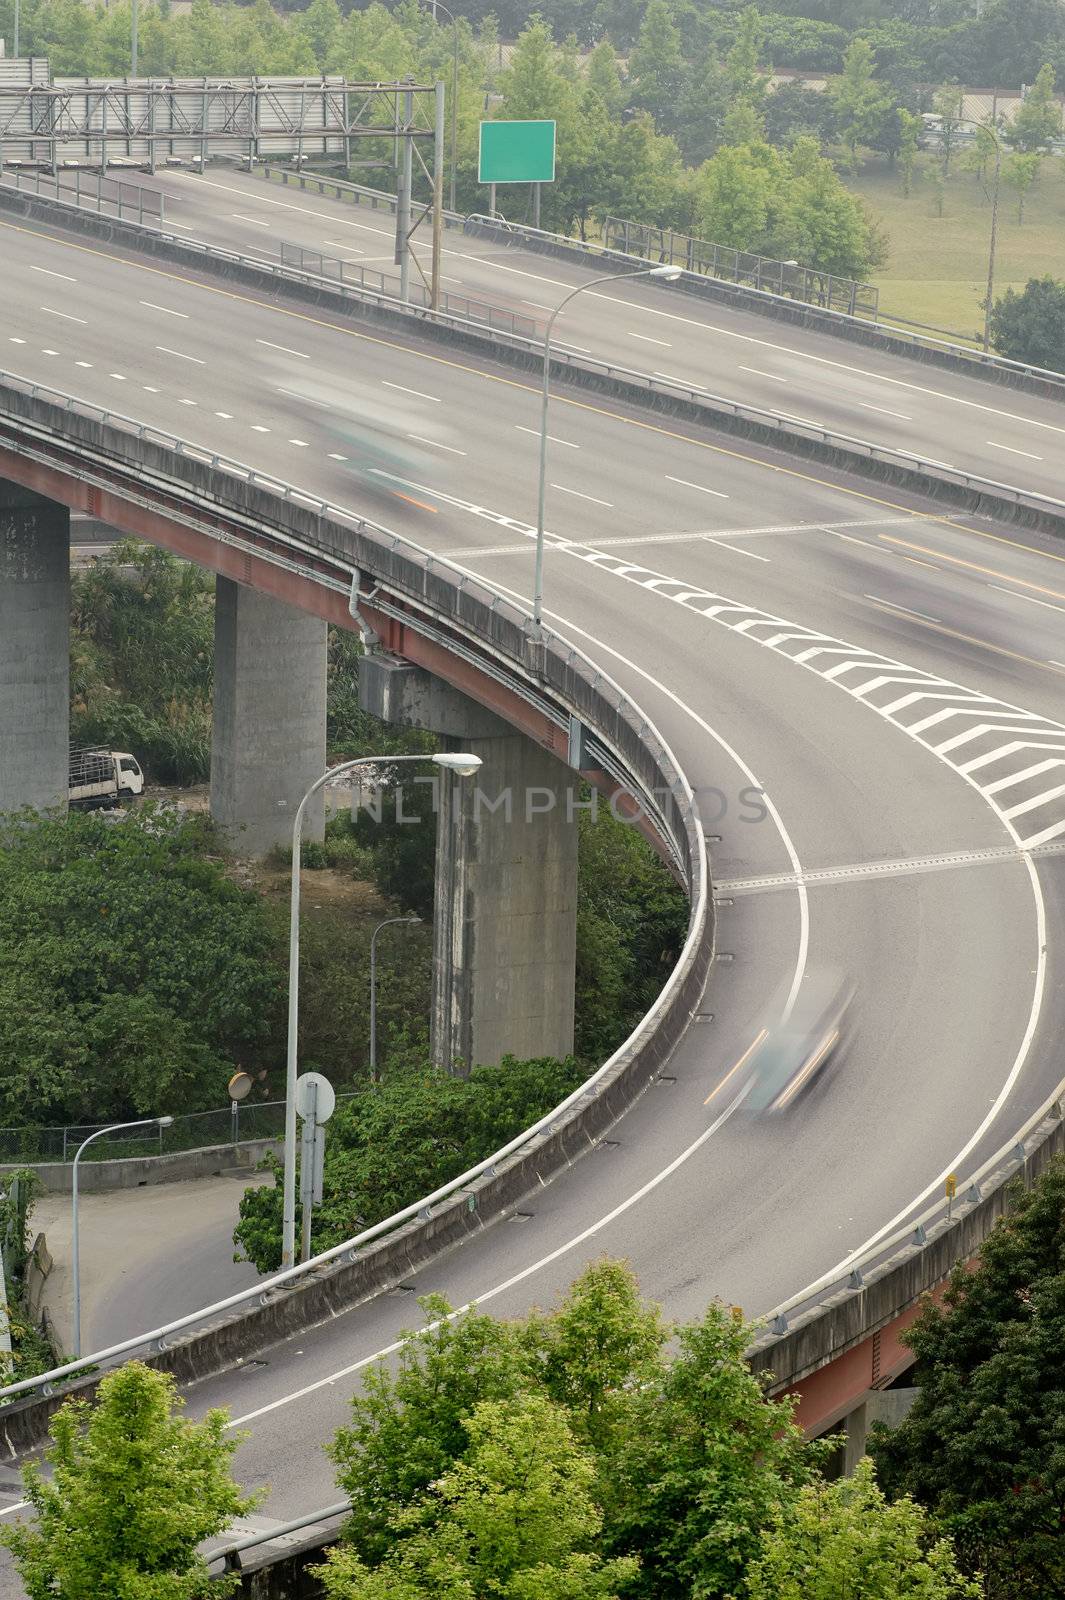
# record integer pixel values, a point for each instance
(103, 778)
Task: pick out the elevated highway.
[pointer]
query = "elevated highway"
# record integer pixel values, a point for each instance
(788, 630)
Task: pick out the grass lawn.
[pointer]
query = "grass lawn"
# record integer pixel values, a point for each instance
(937, 268)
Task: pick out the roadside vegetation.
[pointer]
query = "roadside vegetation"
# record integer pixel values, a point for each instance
(590, 1450)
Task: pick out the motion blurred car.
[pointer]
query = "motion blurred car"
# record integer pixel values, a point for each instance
(385, 440)
(788, 1055)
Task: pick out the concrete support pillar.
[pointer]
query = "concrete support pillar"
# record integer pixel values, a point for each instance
(890, 1406)
(506, 877)
(268, 735)
(34, 650)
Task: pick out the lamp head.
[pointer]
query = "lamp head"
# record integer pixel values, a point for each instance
(462, 762)
(164, 1122)
(666, 273)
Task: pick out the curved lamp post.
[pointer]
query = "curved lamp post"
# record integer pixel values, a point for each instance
(464, 765)
(389, 922)
(670, 274)
(115, 1127)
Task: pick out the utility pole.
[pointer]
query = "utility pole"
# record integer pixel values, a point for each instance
(438, 197)
(403, 200)
(994, 240)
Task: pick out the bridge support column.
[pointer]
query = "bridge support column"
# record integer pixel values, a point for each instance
(878, 1405)
(268, 735)
(34, 650)
(506, 877)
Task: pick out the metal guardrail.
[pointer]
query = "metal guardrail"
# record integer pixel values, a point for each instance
(786, 278)
(93, 191)
(350, 275)
(678, 801)
(230, 1554)
(359, 194)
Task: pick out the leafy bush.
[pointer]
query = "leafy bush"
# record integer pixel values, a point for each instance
(391, 1144)
(133, 972)
(1030, 326)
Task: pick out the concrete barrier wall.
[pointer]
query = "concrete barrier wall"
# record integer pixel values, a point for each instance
(133, 1172)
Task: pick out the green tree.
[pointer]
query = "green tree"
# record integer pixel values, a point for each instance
(1038, 120)
(595, 1346)
(859, 101)
(604, 77)
(947, 102)
(656, 66)
(743, 64)
(826, 225)
(1020, 173)
(909, 131)
(982, 1448)
(1030, 325)
(840, 1539)
(514, 1518)
(406, 1427)
(133, 1491)
(133, 971)
(702, 1464)
(738, 197)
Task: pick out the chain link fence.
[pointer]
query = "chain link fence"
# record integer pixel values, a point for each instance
(241, 1122)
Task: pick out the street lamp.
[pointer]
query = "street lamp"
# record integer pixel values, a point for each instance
(670, 274)
(390, 922)
(453, 139)
(116, 1127)
(463, 765)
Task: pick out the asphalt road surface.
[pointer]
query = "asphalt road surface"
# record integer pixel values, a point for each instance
(889, 675)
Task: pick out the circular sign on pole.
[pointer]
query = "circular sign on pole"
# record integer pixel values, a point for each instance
(240, 1085)
(315, 1096)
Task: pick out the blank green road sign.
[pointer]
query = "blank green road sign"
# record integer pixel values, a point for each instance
(517, 152)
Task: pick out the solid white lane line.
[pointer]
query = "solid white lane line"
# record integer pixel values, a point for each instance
(539, 306)
(1014, 595)
(561, 487)
(284, 349)
(1054, 663)
(894, 605)
(164, 350)
(285, 205)
(259, 223)
(343, 244)
(166, 310)
(760, 374)
(581, 349)
(648, 340)
(19, 1505)
(536, 434)
(700, 486)
(736, 551)
(450, 448)
(52, 312)
(849, 537)
(996, 446)
(417, 393)
(884, 412)
(48, 273)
